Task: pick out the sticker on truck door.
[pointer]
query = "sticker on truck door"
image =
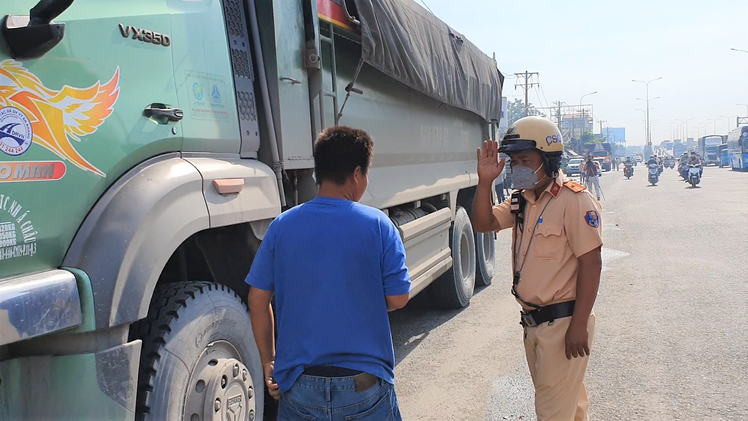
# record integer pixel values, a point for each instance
(15, 131)
(56, 118)
(31, 171)
(17, 232)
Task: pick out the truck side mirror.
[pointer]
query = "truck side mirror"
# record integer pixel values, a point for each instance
(34, 35)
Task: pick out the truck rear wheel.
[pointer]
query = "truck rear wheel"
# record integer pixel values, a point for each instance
(199, 359)
(454, 289)
(485, 256)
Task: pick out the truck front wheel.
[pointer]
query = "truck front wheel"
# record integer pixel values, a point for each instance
(199, 359)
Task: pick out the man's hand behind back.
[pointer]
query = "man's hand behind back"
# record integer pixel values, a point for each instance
(273, 387)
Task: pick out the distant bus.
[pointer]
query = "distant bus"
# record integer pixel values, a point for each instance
(679, 148)
(737, 144)
(667, 145)
(708, 148)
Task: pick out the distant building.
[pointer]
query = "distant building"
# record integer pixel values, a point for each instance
(576, 124)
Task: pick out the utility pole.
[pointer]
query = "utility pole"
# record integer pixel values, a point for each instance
(607, 136)
(584, 120)
(601, 125)
(526, 85)
(558, 114)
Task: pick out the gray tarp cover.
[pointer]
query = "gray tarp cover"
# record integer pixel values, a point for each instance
(403, 40)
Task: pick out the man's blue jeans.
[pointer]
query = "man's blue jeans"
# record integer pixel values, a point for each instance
(335, 399)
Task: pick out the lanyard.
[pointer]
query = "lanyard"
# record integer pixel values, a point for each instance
(515, 252)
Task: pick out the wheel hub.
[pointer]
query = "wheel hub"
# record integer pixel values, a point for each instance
(220, 389)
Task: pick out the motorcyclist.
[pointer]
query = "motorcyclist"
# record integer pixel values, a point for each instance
(628, 165)
(654, 161)
(695, 159)
(683, 165)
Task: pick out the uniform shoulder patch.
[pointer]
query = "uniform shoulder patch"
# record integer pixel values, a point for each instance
(592, 219)
(575, 187)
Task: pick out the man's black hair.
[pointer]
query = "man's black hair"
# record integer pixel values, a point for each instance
(338, 151)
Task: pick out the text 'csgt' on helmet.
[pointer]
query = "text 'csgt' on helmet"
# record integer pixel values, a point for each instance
(533, 132)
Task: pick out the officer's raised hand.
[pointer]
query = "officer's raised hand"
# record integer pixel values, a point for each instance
(489, 165)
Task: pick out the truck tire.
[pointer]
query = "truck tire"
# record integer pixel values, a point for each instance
(485, 256)
(199, 356)
(454, 289)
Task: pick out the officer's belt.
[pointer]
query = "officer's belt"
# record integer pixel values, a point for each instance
(545, 314)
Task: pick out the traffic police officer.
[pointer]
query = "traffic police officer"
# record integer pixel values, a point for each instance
(556, 257)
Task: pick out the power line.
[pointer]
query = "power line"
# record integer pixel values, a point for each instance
(542, 90)
(540, 101)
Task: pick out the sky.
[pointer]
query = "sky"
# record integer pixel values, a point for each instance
(581, 46)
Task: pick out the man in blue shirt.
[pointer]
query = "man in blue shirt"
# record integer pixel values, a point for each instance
(336, 268)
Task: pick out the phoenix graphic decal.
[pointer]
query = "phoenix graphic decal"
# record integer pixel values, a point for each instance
(58, 117)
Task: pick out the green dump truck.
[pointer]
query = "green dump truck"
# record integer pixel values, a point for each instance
(145, 147)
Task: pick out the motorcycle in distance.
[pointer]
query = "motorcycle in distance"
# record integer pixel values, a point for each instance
(694, 174)
(683, 171)
(654, 174)
(628, 171)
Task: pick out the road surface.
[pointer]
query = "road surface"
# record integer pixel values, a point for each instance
(671, 340)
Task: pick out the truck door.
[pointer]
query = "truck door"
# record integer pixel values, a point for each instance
(282, 28)
(85, 109)
(214, 73)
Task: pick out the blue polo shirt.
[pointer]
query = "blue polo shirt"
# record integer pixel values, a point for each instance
(331, 262)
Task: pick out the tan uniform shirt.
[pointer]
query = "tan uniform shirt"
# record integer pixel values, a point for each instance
(571, 226)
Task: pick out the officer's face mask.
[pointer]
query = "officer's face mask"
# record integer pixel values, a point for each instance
(525, 178)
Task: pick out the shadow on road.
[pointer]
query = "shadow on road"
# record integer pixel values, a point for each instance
(413, 324)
